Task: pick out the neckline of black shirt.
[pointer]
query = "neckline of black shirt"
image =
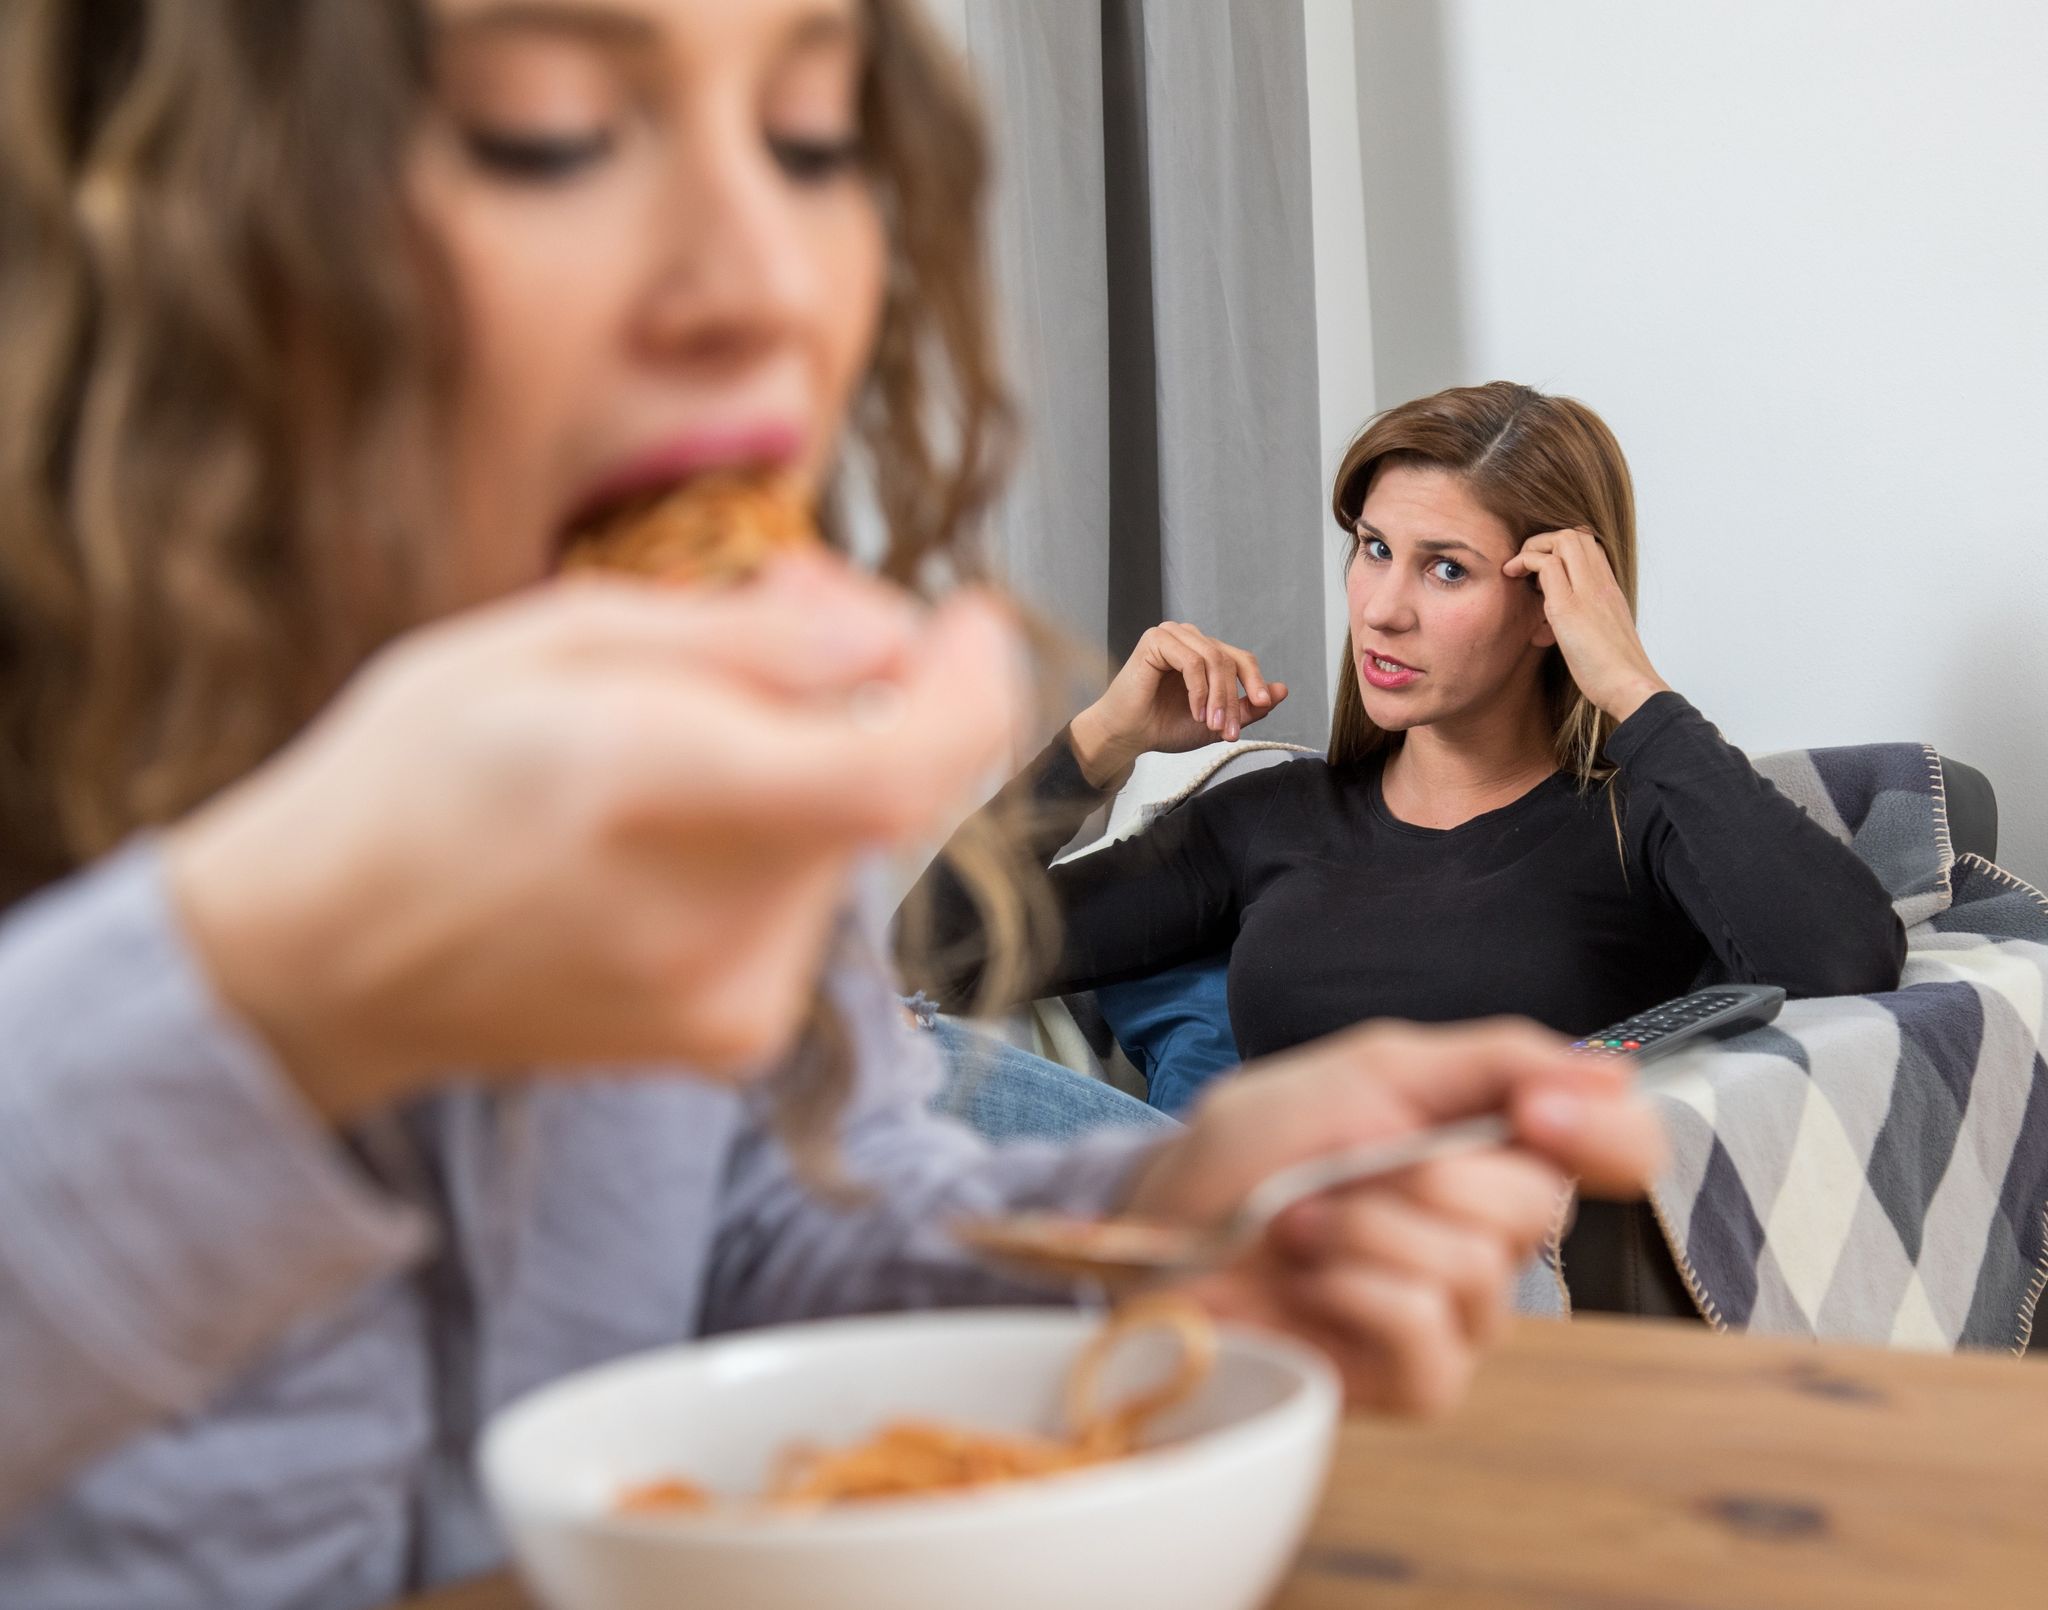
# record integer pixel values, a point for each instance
(1383, 812)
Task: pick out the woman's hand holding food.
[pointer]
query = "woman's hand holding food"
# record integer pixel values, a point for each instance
(602, 823)
(1594, 626)
(1179, 690)
(1402, 1280)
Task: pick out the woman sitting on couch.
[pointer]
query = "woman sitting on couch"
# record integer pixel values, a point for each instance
(1516, 815)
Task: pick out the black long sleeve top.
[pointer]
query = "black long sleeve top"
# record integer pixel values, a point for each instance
(1573, 907)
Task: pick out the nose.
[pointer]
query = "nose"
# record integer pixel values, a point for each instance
(733, 282)
(1386, 604)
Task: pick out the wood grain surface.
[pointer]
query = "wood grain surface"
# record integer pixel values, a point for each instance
(1638, 1465)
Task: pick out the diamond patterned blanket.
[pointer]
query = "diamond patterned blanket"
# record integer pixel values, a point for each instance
(1875, 1168)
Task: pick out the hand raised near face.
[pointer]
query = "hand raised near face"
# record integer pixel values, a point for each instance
(1595, 628)
(1179, 690)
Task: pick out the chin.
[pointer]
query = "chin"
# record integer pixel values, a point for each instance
(1391, 715)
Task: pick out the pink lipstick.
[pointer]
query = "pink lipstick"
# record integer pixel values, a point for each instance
(767, 445)
(1384, 673)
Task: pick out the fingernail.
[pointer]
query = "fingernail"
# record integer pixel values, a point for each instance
(850, 647)
(1558, 1111)
(1306, 1225)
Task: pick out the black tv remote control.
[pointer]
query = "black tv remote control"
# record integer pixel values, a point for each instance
(1708, 1014)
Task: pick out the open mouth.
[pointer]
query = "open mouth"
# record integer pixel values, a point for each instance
(596, 519)
(677, 473)
(1382, 671)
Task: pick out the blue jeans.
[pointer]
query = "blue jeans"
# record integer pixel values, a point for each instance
(1008, 1094)
(1175, 1026)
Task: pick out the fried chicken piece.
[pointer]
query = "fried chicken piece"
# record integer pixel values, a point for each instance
(720, 528)
(669, 1495)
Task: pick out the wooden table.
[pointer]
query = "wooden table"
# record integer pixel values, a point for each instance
(1632, 1465)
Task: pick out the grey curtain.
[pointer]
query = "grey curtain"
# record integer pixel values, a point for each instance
(1154, 255)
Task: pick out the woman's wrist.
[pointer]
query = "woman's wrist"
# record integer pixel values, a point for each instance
(1628, 700)
(1104, 759)
(270, 935)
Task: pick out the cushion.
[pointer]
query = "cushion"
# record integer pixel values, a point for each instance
(1888, 804)
(1175, 1028)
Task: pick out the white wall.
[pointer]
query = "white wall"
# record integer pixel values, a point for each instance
(1796, 253)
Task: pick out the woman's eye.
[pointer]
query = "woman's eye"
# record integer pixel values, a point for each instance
(1377, 550)
(1448, 570)
(817, 161)
(538, 158)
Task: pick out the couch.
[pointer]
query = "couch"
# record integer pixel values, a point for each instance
(1616, 1257)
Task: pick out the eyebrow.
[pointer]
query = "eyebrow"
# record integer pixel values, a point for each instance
(612, 25)
(1425, 544)
(822, 29)
(603, 24)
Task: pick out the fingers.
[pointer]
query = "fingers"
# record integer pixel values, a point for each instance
(1571, 558)
(1261, 697)
(1398, 1340)
(1387, 1229)
(1214, 672)
(1508, 1195)
(1257, 691)
(1547, 568)
(797, 630)
(1402, 1279)
(1168, 649)
(879, 769)
(1611, 1140)
(1440, 1073)
(1584, 559)
(1362, 1085)
(956, 715)
(1187, 650)
(1578, 1112)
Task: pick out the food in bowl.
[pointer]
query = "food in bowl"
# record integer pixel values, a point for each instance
(1205, 1516)
(717, 528)
(919, 1458)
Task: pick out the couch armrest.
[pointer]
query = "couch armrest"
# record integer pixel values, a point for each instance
(1972, 810)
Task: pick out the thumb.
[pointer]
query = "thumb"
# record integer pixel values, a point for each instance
(1250, 709)
(1610, 1139)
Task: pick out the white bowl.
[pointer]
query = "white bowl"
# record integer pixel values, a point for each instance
(1207, 1521)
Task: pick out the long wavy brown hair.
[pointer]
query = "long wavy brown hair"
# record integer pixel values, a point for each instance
(1536, 463)
(224, 377)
